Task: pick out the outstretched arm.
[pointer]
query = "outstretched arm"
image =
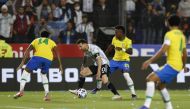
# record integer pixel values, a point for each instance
(184, 59)
(26, 54)
(55, 50)
(109, 49)
(84, 62)
(158, 54)
(128, 51)
(99, 63)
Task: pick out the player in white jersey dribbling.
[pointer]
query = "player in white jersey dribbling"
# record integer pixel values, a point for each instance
(100, 68)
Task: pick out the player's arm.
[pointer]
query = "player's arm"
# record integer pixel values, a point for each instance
(184, 58)
(158, 54)
(26, 55)
(128, 51)
(109, 49)
(99, 63)
(84, 62)
(55, 50)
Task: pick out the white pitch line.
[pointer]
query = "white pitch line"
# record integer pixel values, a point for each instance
(17, 107)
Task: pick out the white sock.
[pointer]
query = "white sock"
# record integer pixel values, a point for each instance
(99, 84)
(166, 98)
(45, 83)
(24, 78)
(149, 93)
(129, 82)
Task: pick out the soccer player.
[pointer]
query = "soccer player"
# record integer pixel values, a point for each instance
(175, 48)
(121, 59)
(43, 56)
(5, 49)
(100, 67)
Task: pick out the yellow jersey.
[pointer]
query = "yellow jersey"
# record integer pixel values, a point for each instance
(121, 55)
(43, 47)
(176, 41)
(5, 50)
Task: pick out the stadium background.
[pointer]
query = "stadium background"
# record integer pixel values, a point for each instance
(68, 20)
(144, 21)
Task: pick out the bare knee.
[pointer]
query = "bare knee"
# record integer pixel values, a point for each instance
(148, 79)
(104, 79)
(152, 77)
(82, 74)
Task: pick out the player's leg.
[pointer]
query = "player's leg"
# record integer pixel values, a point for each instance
(98, 87)
(125, 69)
(150, 89)
(166, 76)
(24, 78)
(165, 95)
(113, 68)
(45, 83)
(105, 70)
(31, 65)
(44, 70)
(111, 87)
(86, 71)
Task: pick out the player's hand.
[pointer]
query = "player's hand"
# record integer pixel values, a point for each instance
(186, 70)
(145, 65)
(118, 48)
(61, 69)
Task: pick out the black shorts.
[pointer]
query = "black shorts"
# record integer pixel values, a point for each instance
(105, 69)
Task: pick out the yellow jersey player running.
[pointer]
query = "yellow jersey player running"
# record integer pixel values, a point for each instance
(43, 56)
(175, 48)
(121, 59)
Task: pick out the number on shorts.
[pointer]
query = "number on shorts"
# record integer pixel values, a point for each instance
(104, 69)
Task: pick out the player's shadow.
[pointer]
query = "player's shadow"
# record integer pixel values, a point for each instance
(130, 99)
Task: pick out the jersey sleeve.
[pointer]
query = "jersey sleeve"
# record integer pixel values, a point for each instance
(53, 44)
(167, 39)
(34, 42)
(95, 52)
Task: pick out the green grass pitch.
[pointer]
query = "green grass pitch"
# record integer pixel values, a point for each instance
(101, 100)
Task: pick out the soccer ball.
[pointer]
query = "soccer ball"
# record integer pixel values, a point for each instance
(82, 93)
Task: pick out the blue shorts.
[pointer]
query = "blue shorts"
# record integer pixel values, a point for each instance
(166, 74)
(121, 65)
(39, 62)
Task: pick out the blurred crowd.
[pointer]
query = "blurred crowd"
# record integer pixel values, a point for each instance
(21, 21)
(67, 20)
(146, 19)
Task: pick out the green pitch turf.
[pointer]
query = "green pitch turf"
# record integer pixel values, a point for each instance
(102, 100)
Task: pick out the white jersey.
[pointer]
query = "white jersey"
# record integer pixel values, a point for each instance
(5, 25)
(93, 51)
